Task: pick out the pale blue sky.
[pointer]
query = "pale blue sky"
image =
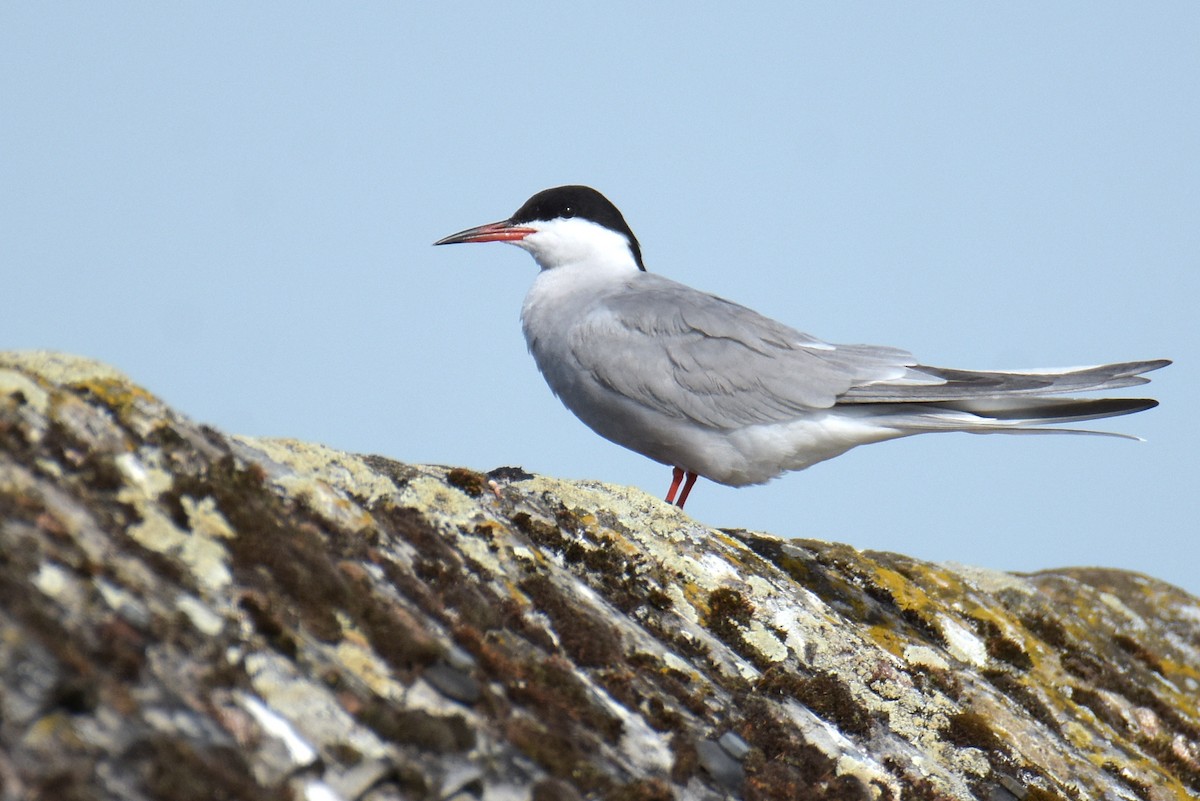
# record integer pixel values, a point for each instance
(234, 204)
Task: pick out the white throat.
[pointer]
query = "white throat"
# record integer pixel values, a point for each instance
(577, 242)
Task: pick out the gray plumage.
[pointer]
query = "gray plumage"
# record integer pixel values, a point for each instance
(737, 367)
(717, 390)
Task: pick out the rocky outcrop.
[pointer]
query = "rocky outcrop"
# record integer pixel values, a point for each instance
(191, 615)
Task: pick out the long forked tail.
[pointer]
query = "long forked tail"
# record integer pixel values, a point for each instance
(1004, 402)
(924, 383)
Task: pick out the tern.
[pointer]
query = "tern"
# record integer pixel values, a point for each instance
(714, 389)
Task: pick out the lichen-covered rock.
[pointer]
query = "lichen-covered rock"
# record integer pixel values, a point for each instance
(190, 615)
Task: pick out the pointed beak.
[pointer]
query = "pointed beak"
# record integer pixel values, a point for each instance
(503, 231)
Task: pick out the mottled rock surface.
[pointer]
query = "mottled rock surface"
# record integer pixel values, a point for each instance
(186, 614)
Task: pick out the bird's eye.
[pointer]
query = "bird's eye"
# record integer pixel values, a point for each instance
(568, 212)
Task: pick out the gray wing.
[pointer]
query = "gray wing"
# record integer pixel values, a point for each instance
(688, 354)
(692, 355)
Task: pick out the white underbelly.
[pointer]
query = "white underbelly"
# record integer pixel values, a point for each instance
(750, 454)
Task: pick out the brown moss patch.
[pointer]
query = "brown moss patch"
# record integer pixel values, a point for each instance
(276, 550)
(728, 615)
(624, 580)
(1163, 748)
(554, 790)
(269, 621)
(947, 682)
(642, 790)
(551, 690)
(641, 694)
(1139, 788)
(672, 682)
(1105, 676)
(782, 766)
(824, 693)
(443, 583)
(686, 762)
(439, 734)
(562, 757)
(1048, 629)
(1006, 650)
(778, 781)
(803, 566)
(1104, 711)
(1024, 697)
(1035, 793)
(999, 646)
(1138, 652)
(170, 768)
(971, 730)
(588, 639)
(926, 627)
(914, 788)
(468, 481)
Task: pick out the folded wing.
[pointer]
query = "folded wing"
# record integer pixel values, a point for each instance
(688, 354)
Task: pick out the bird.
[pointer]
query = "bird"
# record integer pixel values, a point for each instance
(712, 388)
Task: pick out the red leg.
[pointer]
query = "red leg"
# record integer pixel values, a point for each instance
(687, 488)
(676, 477)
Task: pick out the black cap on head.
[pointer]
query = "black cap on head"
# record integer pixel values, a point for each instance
(577, 201)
